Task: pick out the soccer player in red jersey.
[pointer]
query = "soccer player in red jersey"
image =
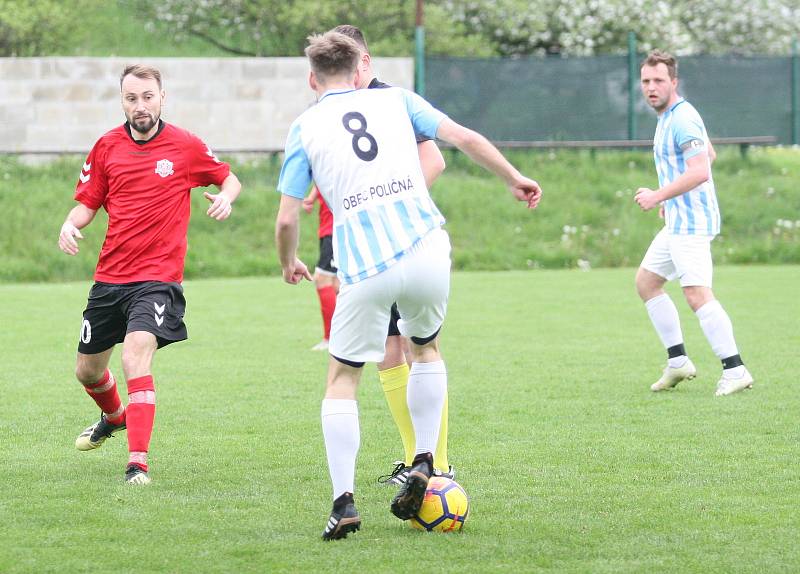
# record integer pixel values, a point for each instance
(325, 274)
(141, 173)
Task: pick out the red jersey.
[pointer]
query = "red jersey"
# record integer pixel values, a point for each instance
(325, 218)
(144, 187)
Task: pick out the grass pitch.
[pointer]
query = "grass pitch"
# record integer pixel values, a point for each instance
(572, 464)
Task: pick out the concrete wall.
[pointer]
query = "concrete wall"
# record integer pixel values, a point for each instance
(235, 104)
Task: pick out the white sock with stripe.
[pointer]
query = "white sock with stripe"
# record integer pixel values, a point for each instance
(718, 329)
(342, 438)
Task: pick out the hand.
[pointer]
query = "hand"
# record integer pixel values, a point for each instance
(295, 273)
(66, 239)
(220, 205)
(646, 198)
(308, 205)
(661, 211)
(527, 190)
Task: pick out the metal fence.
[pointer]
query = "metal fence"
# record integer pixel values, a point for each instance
(535, 99)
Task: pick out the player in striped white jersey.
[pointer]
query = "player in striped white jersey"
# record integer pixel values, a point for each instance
(682, 249)
(393, 370)
(360, 149)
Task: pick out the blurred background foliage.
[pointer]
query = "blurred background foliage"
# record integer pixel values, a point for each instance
(477, 28)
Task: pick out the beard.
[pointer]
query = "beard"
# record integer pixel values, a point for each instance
(144, 123)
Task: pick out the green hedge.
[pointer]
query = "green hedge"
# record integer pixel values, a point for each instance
(587, 217)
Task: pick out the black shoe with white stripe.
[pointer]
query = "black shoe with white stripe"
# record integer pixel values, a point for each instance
(398, 476)
(344, 518)
(94, 436)
(410, 496)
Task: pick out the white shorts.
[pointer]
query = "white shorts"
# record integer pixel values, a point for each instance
(687, 257)
(419, 283)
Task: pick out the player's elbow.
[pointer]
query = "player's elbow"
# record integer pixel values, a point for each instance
(285, 222)
(435, 168)
(231, 185)
(699, 172)
(466, 139)
(703, 174)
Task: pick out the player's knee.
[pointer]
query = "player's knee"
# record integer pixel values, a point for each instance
(648, 285)
(425, 349)
(88, 374)
(698, 296)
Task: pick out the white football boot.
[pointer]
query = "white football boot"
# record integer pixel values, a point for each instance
(730, 385)
(672, 376)
(321, 346)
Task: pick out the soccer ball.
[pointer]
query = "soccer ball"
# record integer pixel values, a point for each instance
(444, 508)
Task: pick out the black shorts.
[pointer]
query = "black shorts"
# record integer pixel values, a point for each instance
(393, 330)
(326, 263)
(115, 310)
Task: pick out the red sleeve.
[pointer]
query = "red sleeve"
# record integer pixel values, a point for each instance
(204, 167)
(92, 186)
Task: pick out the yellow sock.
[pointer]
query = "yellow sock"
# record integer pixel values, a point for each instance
(440, 458)
(394, 382)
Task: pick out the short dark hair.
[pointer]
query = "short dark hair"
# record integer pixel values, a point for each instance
(657, 57)
(332, 54)
(353, 32)
(141, 71)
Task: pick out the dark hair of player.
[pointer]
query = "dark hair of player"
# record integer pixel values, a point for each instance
(353, 32)
(657, 57)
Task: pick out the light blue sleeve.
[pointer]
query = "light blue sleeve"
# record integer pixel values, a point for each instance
(424, 117)
(295, 177)
(689, 132)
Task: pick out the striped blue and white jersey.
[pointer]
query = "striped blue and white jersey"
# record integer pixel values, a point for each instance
(359, 147)
(680, 135)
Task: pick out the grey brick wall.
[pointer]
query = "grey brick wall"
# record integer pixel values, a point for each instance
(233, 104)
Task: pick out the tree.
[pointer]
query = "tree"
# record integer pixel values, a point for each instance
(489, 27)
(517, 27)
(37, 27)
(280, 27)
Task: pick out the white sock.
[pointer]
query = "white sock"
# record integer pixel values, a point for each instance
(342, 437)
(718, 329)
(427, 388)
(665, 319)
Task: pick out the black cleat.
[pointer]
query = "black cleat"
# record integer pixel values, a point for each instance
(135, 474)
(407, 502)
(344, 518)
(399, 474)
(95, 435)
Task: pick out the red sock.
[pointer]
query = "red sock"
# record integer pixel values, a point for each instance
(105, 394)
(327, 301)
(139, 418)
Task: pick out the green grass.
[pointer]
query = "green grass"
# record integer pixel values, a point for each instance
(572, 464)
(587, 215)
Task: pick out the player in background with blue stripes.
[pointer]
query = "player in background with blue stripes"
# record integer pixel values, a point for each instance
(360, 149)
(682, 249)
